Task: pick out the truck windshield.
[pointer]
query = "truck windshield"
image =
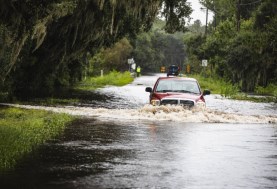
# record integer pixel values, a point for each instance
(182, 86)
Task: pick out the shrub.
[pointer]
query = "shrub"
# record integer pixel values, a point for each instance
(23, 130)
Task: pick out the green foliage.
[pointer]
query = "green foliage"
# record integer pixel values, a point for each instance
(55, 101)
(113, 78)
(247, 57)
(265, 13)
(3, 97)
(145, 54)
(197, 28)
(21, 131)
(45, 45)
(175, 13)
(108, 59)
(156, 48)
(271, 89)
(217, 85)
(115, 58)
(228, 90)
(243, 60)
(215, 47)
(194, 51)
(258, 99)
(96, 63)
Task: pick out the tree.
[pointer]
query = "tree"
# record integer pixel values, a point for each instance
(197, 28)
(175, 13)
(156, 49)
(194, 51)
(247, 56)
(145, 55)
(44, 44)
(116, 56)
(265, 21)
(243, 61)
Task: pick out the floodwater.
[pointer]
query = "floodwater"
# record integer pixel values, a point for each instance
(232, 145)
(132, 96)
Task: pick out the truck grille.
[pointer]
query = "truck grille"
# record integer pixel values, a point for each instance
(169, 101)
(186, 103)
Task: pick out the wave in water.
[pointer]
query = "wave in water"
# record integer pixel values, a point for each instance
(160, 113)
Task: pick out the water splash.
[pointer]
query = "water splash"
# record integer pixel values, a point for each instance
(160, 113)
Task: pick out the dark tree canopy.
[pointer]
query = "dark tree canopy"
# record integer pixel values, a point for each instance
(241, 42)
(43, 43)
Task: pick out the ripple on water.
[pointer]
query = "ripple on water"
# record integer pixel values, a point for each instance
(162, 113)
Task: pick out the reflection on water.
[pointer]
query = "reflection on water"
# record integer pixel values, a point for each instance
(137, 154)
(139, 146)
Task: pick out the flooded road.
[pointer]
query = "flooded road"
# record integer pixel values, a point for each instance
(133, 96)
(107, 154)
(231, 145)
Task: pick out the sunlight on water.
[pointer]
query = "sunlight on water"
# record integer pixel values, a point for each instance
(161, 113)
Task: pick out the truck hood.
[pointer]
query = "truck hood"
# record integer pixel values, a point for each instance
(170, 95)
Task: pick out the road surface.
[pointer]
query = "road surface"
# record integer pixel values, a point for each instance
(123, 144)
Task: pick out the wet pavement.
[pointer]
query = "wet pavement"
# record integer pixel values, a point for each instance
(107, 154)
(99, 152)
(133, 96)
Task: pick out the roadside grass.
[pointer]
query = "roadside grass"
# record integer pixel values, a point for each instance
(80, 93)
(271, 90)
(226, 89)
(113, 78)
(23, 130)
(217, 86)
(52, 101)
(264, 99)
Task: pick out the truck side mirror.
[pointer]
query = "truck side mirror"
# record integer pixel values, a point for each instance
(206, 92)
(148, 89)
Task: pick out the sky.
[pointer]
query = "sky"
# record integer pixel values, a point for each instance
(198, 13)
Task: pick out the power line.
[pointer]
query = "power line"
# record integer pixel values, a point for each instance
(251, 3)
(239, 5)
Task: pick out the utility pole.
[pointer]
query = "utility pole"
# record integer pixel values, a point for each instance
(214, 17)
(238, 15)
(206, 28)
(207, 12)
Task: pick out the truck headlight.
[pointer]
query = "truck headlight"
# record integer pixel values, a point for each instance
(201, 104)
(155, 102)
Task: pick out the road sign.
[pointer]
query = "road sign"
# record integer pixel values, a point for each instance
(131, 61)
(188, 68)
(205, 63)
(162, 69)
